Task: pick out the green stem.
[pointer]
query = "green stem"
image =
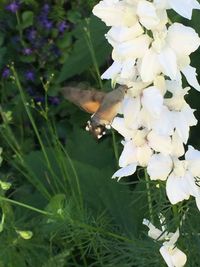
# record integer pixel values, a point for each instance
(25, 206)
(20, 30)
(32, 122)
(91, 48)
(149, 196)
(115, 148)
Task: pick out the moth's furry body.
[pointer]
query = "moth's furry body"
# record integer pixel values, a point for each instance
(104, 106)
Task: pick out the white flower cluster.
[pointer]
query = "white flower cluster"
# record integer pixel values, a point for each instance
(172, 255)
(150, 55)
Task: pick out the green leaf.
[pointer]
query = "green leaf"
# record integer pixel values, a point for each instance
(65, 40)
(27, 19)
(56, 204)
(2, 37)
(3, 51)
(81, 58)
(27, 59)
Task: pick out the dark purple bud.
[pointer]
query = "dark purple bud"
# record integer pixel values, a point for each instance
(30, 91)
(46, 8)
(55, 50)
(15, 39)
(6, 72)
(31, 34)
(40, 99)
(27, 51)
(29, 75)
(13, 6)
(54, 100)
(62, 26)
(47, 24)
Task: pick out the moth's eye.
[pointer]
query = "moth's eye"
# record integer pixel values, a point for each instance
(98, 130)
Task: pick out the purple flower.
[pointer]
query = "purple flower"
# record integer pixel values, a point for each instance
(40, 99)
(29, 75)
(47, 24)
(54, 100)
(62, 26)
(13, 6)
(46, 8)
(55, 50)
(27, 51)
(6, 72)
(31, 34)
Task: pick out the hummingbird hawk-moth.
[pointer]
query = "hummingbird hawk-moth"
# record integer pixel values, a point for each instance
(103, 106)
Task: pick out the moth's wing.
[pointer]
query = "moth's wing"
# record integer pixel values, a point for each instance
(88, 100)
(110, 106)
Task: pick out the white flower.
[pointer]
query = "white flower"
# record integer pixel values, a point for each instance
(131, 49)
(182, 121)
(184, 8)
(159, 167)
(150, 17)
(183, 181)
(191, 76)
(173, 256)
(121, 71)
(126, 171)
(160, 143)
(152, 101)
(116, 13)
(167, 53)
(119, 34)
(136, 152)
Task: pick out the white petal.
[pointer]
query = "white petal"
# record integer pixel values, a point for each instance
(128, 69)
(178, 257)
(119, 125)
(191, 76)
(162, 4)
(110, 12)
(193, 158)
(150, 66)
(153, 232)
(128, 155)
(193, 189)
(184, 8)
(122, 34)
(182, 39)
(144, 153)
(167, 59)
(198, 202)
(177, 189)
(152, 101)
(159, 167)
(177, 145)
(131, 108)
(112, 71)
(173, 238)
(126, 171)
(166, 256)
(132, 49)
(182, 121)
(163, 124)
(160, 143)
(147, 14)
(173, 257)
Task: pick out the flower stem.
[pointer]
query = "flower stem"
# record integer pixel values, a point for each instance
(149, 196)
(20, 30)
